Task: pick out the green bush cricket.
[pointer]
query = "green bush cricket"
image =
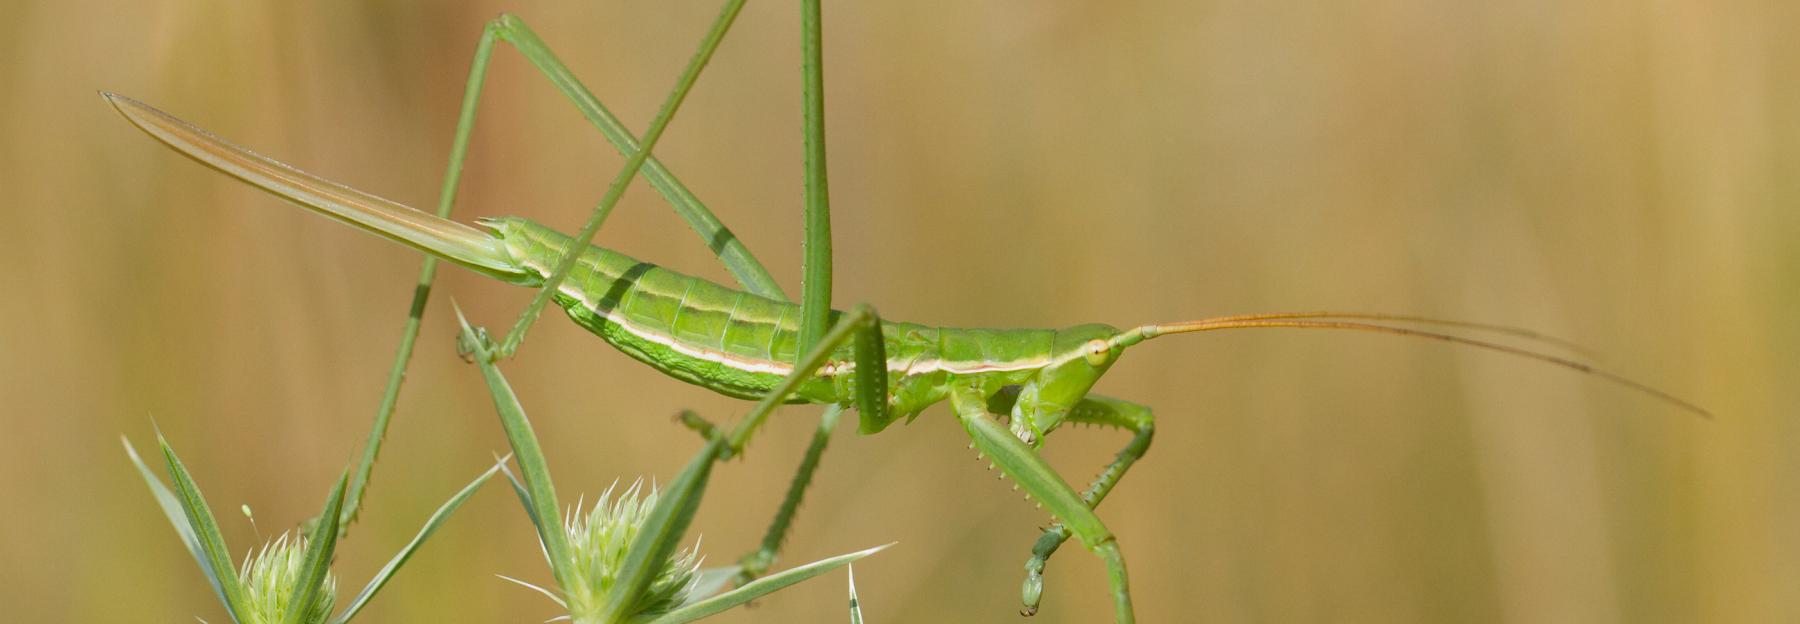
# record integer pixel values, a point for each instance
(750, 343)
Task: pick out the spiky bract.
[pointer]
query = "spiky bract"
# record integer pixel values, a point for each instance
(270, 577)
(598, 542)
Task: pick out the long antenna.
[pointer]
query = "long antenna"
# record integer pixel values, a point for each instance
(1507, 330)
(1295, 320)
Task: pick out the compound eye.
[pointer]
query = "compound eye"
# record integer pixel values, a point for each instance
(1098, 352)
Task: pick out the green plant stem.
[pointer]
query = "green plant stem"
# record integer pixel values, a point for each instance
(409, 335)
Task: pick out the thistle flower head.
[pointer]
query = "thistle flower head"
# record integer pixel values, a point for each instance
(598, 542)
(269, 578)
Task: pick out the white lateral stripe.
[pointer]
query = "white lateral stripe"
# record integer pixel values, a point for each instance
(920, 367)
(771, 367)
(746, 364)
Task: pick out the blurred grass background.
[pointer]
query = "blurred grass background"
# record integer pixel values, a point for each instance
(1621, 173)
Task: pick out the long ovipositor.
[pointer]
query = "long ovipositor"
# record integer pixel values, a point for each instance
(741, 344)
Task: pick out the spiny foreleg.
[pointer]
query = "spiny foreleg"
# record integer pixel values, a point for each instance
(1021, 463)
(1092, 410)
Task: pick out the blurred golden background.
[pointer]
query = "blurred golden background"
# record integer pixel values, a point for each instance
(1621, 173)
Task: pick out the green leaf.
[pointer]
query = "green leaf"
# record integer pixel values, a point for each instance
(661, 534)
(709, 581)
(217, 561)
(431, 525)
(541, 501)
(319, 548)
(759, 588)
(525, 501)
(855, 606)
(171, 508)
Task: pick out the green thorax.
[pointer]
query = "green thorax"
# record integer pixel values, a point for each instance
(742, 345)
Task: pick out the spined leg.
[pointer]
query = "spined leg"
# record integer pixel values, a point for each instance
(861, 328)
(1024, 466)
(755, 563)
(1093, 410)
(616, 189)
(731, 251)
(510, 29)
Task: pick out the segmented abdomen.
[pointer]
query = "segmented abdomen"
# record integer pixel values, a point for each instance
(730, 341)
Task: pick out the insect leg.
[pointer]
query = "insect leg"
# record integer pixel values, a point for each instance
(755, 563)
(1024, 466)
(616, 189)
(731, 251)
(860, 323)
(815, 286)
(409, 335)
(869, 352)
(1093, 410)
(862, 327)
